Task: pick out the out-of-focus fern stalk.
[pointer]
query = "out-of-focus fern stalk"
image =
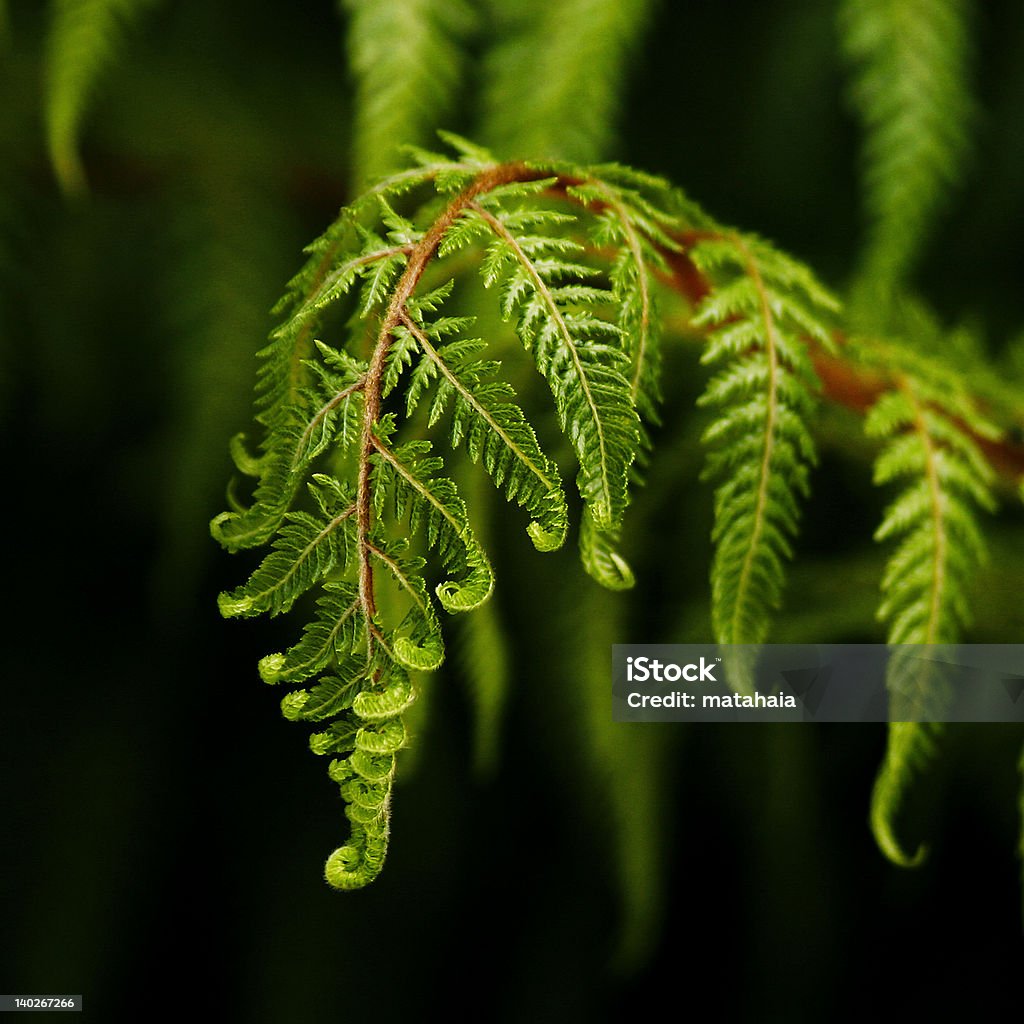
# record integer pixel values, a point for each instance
(407, 57)
(83, 42)
(554, 76)
(910, 64)
(625, 777)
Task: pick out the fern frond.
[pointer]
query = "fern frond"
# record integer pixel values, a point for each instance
(579, 354)
(761, 315)
(928, 427)
(553, 80)
(408, 58)
(83, 41)
(636, 218)
(599, 553)
(300, 416)
(624, 776)
(910, 89)
(323, 415)
(366, 777)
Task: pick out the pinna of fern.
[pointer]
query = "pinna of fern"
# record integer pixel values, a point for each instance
(930, 429)
(761, 318)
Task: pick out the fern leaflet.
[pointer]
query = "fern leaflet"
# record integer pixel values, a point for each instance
(928, 426)
(760, 318)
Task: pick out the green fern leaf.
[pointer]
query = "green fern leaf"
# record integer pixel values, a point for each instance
(433, 505)
(928, 425)
(598, 550)
(306, 549)
(578, 353)
(493, 427)
(761, 316)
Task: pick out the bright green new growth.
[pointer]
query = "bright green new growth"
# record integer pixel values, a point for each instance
(351, 498)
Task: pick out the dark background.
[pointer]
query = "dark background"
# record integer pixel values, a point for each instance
(163, 829)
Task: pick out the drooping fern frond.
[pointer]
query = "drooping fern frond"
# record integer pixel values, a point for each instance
(349, 505)
(84, 39)
(554, 77)
(212, 306)
(493, 426)
(623, 781)
(764, 311)
(482, 641)
(631, 221)
(929, 429)
(407, 56)
(579, 353)
(910, 89)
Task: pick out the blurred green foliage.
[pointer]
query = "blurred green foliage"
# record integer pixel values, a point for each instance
(164, 830)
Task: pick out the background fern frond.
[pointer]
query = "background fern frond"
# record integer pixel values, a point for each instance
(482, 643)
(553, 80)
(625, 774)
(910, 70)
(210, 305)
(408, 58)
(85, 37)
